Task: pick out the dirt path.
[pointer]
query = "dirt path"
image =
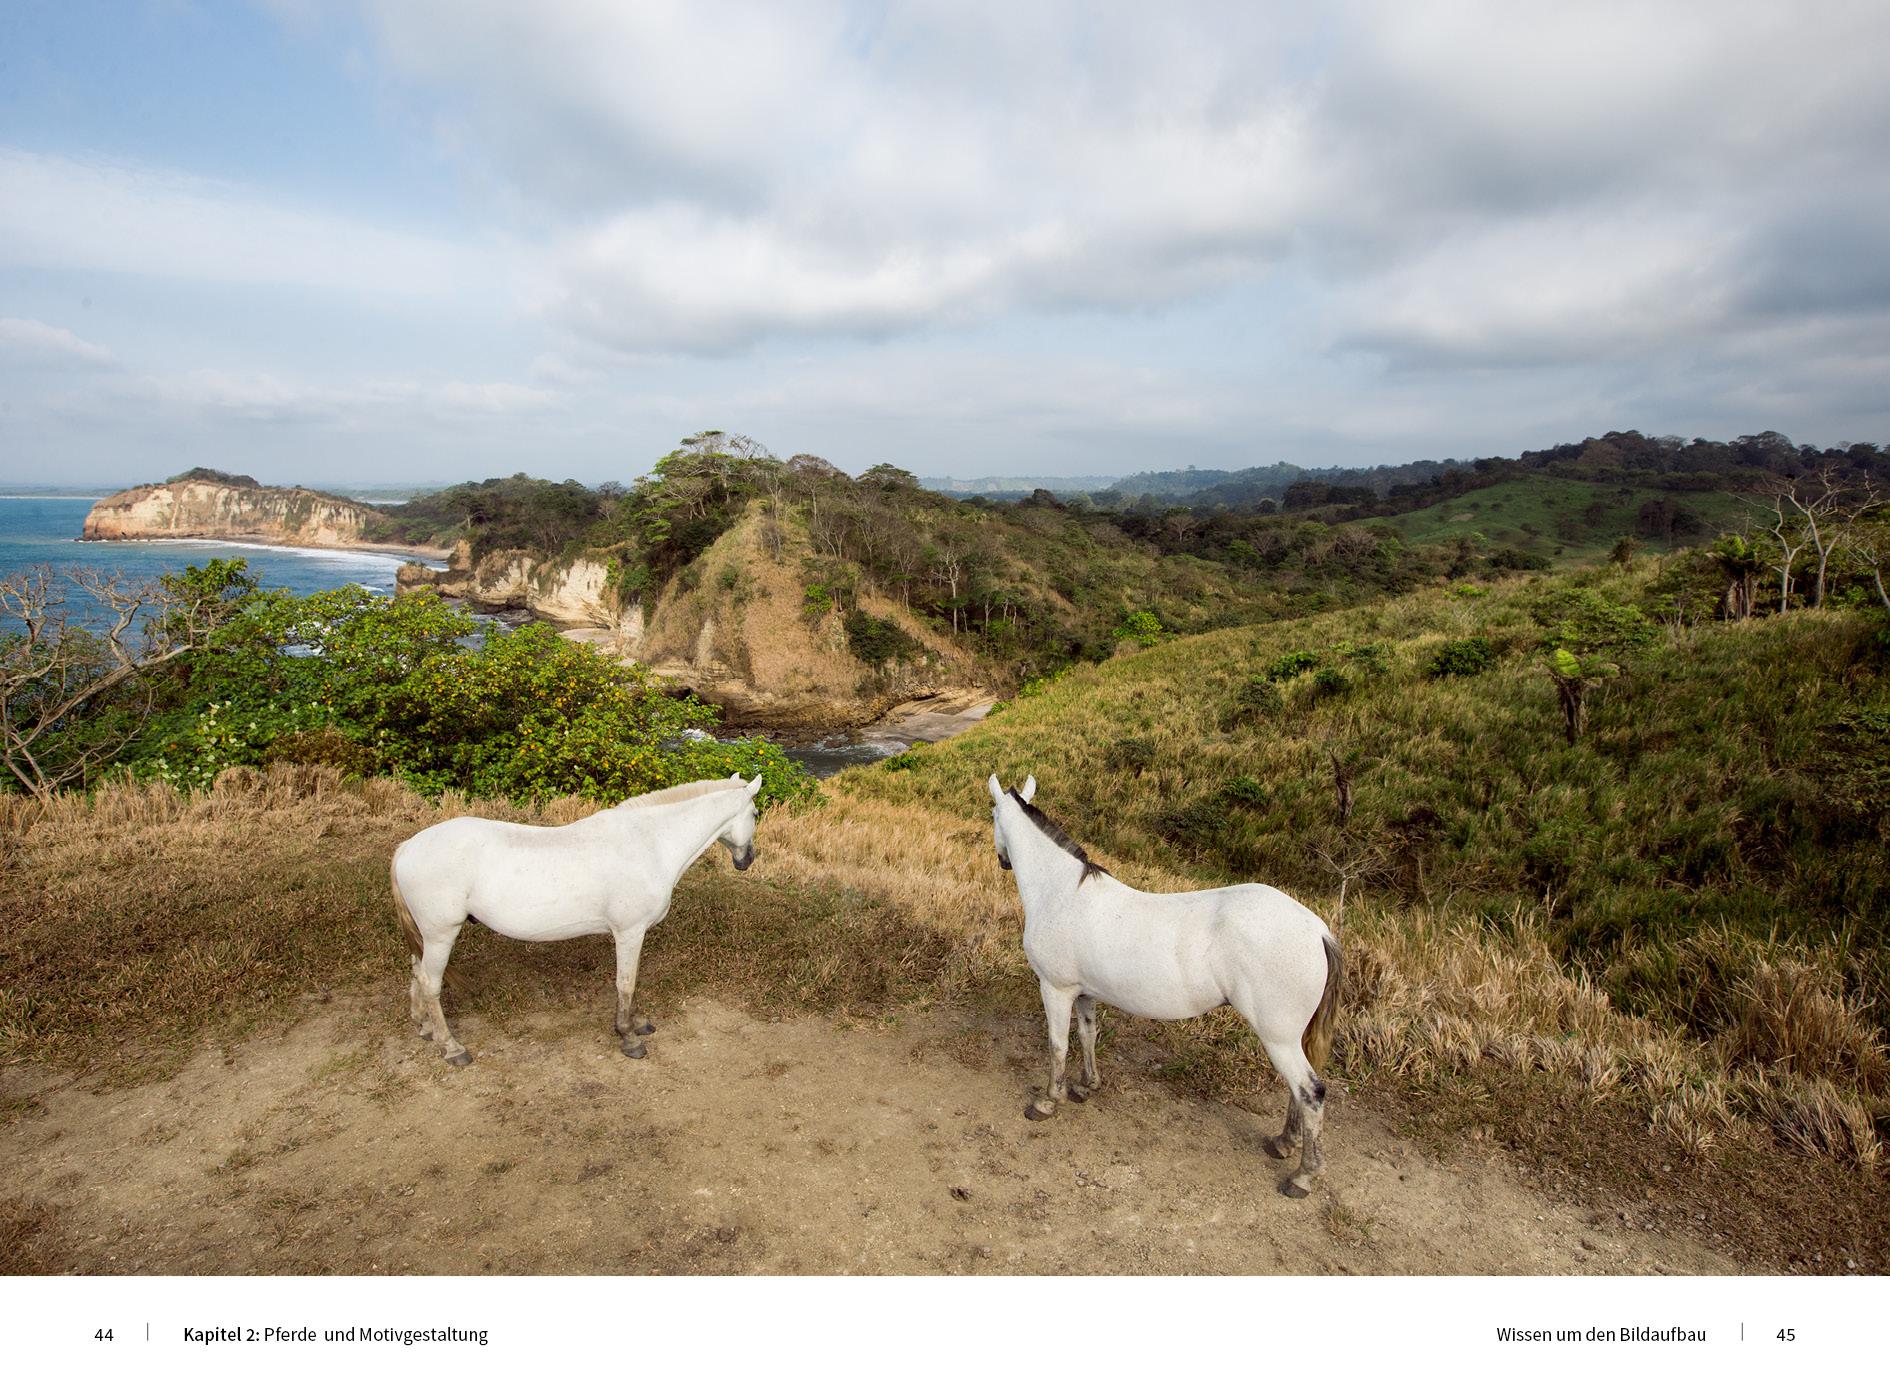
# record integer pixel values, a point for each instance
(737, 1146)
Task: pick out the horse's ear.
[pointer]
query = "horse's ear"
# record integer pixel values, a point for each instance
(1030, 788)
(997, 788)
(754, 786)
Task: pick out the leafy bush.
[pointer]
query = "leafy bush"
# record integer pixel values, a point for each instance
(386, 685)
(1257, 698)
(1470, 657)
(1330, 681)
(1582, 620)
(1142, 626)
(1290, 665)
(905, 762)
(1247, 792)
(877, 641)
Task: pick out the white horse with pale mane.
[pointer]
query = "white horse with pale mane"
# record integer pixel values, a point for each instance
(612, 872)
(1168, 957)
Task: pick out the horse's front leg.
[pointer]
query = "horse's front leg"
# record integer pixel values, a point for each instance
(1056, 1010)
(1086, 1034)
(629, 1023)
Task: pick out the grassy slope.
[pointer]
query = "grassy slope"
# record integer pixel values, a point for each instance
(1547, 515)
(1705, 859)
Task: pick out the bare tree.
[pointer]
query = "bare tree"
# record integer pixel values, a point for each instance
(1831, 509)
(1871, 547)
(56, 675)
(1791, 543)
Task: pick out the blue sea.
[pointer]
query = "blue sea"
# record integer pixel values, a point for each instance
(45, 530)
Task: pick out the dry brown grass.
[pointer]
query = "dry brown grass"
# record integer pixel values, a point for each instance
(138, 921)
(1427, 994)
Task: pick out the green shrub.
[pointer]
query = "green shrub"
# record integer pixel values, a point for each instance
(1290, 665)
(1258, 698)
(1142, 626)
(1470, 657)
(1246, 792)
(1329, 681)
(877, 641)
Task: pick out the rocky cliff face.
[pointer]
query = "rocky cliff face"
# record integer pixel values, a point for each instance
(733, 627)
(211, 510)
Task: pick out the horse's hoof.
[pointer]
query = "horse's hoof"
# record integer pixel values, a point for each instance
(1291, 1189)
(1276, 1148)
(634, 1048)
(1037, 1114)
(462, 1059)
(644, 1027)
(1078, 1094)
(425, 1034)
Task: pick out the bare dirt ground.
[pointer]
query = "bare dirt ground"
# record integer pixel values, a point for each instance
(739, 1145)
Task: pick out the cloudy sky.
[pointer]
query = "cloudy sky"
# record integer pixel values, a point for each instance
(417, 240)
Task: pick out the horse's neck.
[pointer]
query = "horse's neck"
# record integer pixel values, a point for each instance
(1046, 873)
(679, 831)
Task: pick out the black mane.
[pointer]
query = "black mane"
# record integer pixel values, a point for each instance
(1042, 821)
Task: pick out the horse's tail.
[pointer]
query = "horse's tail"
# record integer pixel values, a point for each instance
(1317, 1042)
(408, 927)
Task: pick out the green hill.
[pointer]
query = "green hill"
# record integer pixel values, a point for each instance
(1573, 521)
(1713, 854)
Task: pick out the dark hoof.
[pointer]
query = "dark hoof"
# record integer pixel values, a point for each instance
(1037, 1115)
(1293, 1190)
(643, 1027)
(462, 1059)
(1275, 1149)
(634, 1048)
(1078, 1094)
(425, 1034)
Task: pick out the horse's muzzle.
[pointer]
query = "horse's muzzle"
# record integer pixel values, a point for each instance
(745, 858)
(1004, 862)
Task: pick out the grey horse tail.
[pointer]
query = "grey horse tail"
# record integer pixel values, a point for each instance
(1317, 1042)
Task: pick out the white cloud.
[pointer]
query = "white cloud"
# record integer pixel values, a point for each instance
(28, 344)
(104, 215)
(715, 176)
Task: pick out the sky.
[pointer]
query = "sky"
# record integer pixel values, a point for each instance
(409, 241)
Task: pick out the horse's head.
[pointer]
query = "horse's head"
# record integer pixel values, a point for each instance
(997, 804)
(739, 834)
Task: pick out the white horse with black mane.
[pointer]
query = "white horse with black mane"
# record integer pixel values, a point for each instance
(612, 872)
(1168, 957)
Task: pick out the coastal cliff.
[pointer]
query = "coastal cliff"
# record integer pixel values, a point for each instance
(736, 628)
(200, 509)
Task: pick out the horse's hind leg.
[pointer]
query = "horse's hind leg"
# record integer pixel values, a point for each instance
(1056, 1011)
(429, 975)
(1086, 1033)
(1307, 1103)
(630, 1023)
(417, 1002)
(1280, 1147)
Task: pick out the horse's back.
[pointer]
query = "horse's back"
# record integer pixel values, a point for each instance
(523, 881)
(1173, 956)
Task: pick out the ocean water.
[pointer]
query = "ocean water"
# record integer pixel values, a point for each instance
(45, 530)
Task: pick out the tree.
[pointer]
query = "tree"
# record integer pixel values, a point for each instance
(72, 697)
(1831, 508)
(1574, 677)
(1870, 546)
